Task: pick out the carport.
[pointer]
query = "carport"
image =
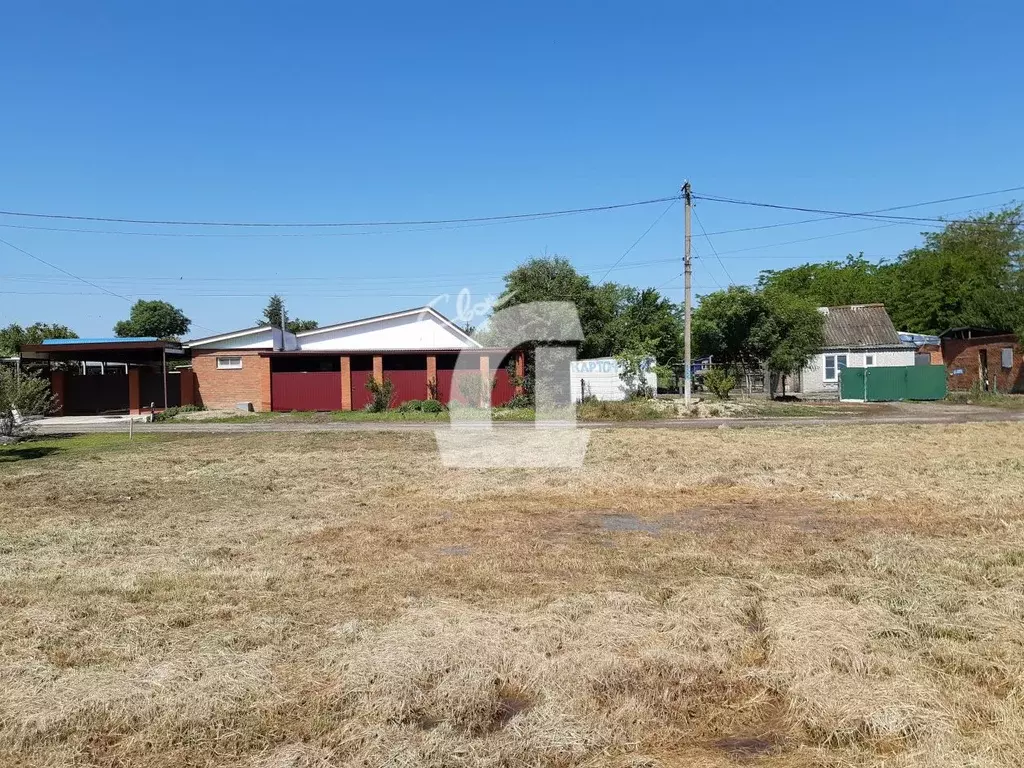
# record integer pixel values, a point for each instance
(147, 383)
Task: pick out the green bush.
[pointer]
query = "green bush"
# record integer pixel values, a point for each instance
(432, 406)
(381, 394)
(410, 406)
(719, 383)
(520, 401)
(26, 394)
(170, 413)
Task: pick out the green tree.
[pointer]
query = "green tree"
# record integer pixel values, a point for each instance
(794, 331)
(833, 283)
(645, 317)
(21, 396)
(154, 318)
(13, 336)
(731, 326)
(272, 316)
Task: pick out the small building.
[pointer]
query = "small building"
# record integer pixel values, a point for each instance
(989, 358)
(604, 378)
(328, 368)
(856, 336)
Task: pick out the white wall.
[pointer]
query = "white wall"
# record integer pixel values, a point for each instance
(812, 378)
(415, 331)
(603, 379)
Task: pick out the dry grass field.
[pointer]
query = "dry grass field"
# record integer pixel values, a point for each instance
(812, 597)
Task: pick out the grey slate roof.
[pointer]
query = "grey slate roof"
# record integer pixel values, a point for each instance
(859, 325)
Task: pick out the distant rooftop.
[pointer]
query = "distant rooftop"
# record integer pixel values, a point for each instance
(859, 325)
(113, 340)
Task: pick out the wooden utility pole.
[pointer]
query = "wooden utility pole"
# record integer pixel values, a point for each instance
(687, 301)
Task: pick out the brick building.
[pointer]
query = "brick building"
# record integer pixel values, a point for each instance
(993, 359)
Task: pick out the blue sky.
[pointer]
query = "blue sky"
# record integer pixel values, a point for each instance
(341, 112)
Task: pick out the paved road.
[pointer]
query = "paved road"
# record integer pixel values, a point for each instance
(926, 415)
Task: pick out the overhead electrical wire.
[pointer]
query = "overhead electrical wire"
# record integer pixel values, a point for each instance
(328, 224)
(637, 241)
(713, 249)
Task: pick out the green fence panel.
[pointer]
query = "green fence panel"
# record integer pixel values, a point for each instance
(926, 382)
(885, 384)
(851, 384)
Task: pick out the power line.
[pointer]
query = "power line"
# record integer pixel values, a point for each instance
(76, 277)
(866, 213)
(637, 241)
(713, 249)
(315, 225)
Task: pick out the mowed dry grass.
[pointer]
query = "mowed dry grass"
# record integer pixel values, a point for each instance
(816, 596)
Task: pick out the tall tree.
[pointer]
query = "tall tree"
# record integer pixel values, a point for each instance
(272, 316)
(154, 318)
(13, 336)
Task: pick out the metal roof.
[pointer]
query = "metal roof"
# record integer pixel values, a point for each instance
(859, 325)
(112, 340)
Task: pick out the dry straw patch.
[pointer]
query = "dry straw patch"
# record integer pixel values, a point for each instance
(821, 596)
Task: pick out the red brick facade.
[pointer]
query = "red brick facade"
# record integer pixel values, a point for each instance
(965, 356)
(223, 388)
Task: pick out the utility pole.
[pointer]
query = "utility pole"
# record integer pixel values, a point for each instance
(687, 301)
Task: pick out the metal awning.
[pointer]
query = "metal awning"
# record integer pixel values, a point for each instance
(127, 350)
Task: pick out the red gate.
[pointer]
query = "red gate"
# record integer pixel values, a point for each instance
(312, 391)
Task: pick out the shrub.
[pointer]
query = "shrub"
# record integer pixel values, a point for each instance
(520, 401)
(25, 395)
(381, 393)
(410, 406)
(432, 406)
(719, 383)
(170, 413)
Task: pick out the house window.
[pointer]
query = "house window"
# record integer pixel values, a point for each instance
(1007, 357)
(833, 365)
(869, 360)
(229, 363)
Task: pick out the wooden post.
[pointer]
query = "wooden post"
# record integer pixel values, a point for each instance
(346, 383)
(431, 376)
(485, 381)
(134, 392)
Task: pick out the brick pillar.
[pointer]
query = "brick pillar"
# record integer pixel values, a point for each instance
(378, 368)
(134, 392)
(188, 387)
(346, 383)
(58, 388)
(485, 376)
(266, 401)
(520, 370)
(431, 375)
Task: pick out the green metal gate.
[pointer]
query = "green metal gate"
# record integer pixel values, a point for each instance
(881, 384)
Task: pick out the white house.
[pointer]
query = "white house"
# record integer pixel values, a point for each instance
(856, 336)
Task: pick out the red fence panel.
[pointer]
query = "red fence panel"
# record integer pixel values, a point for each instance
(313, 391)
(503, 389)
(408, 385)
(361, 396)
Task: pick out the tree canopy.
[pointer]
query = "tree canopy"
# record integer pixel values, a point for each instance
(154, 318)
(272, 316)
(969, 274)
(13, 336)
(614, 317)
(740, 327)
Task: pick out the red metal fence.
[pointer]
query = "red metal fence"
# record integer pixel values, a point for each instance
(313, 391)
(361, 396)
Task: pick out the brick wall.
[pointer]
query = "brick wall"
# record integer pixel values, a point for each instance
(220, 388)
(964, 355)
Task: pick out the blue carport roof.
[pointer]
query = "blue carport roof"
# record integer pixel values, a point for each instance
(113, 340)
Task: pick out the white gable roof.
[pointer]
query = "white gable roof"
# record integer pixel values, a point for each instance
(421, 328)
(261, 337)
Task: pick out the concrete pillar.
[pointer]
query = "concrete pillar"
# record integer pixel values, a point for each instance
(134, 392)
(266, 399)
(485, 378)
(378, 368)
(431, 376)
(346, 383)
(58, 388)
(188, 386)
